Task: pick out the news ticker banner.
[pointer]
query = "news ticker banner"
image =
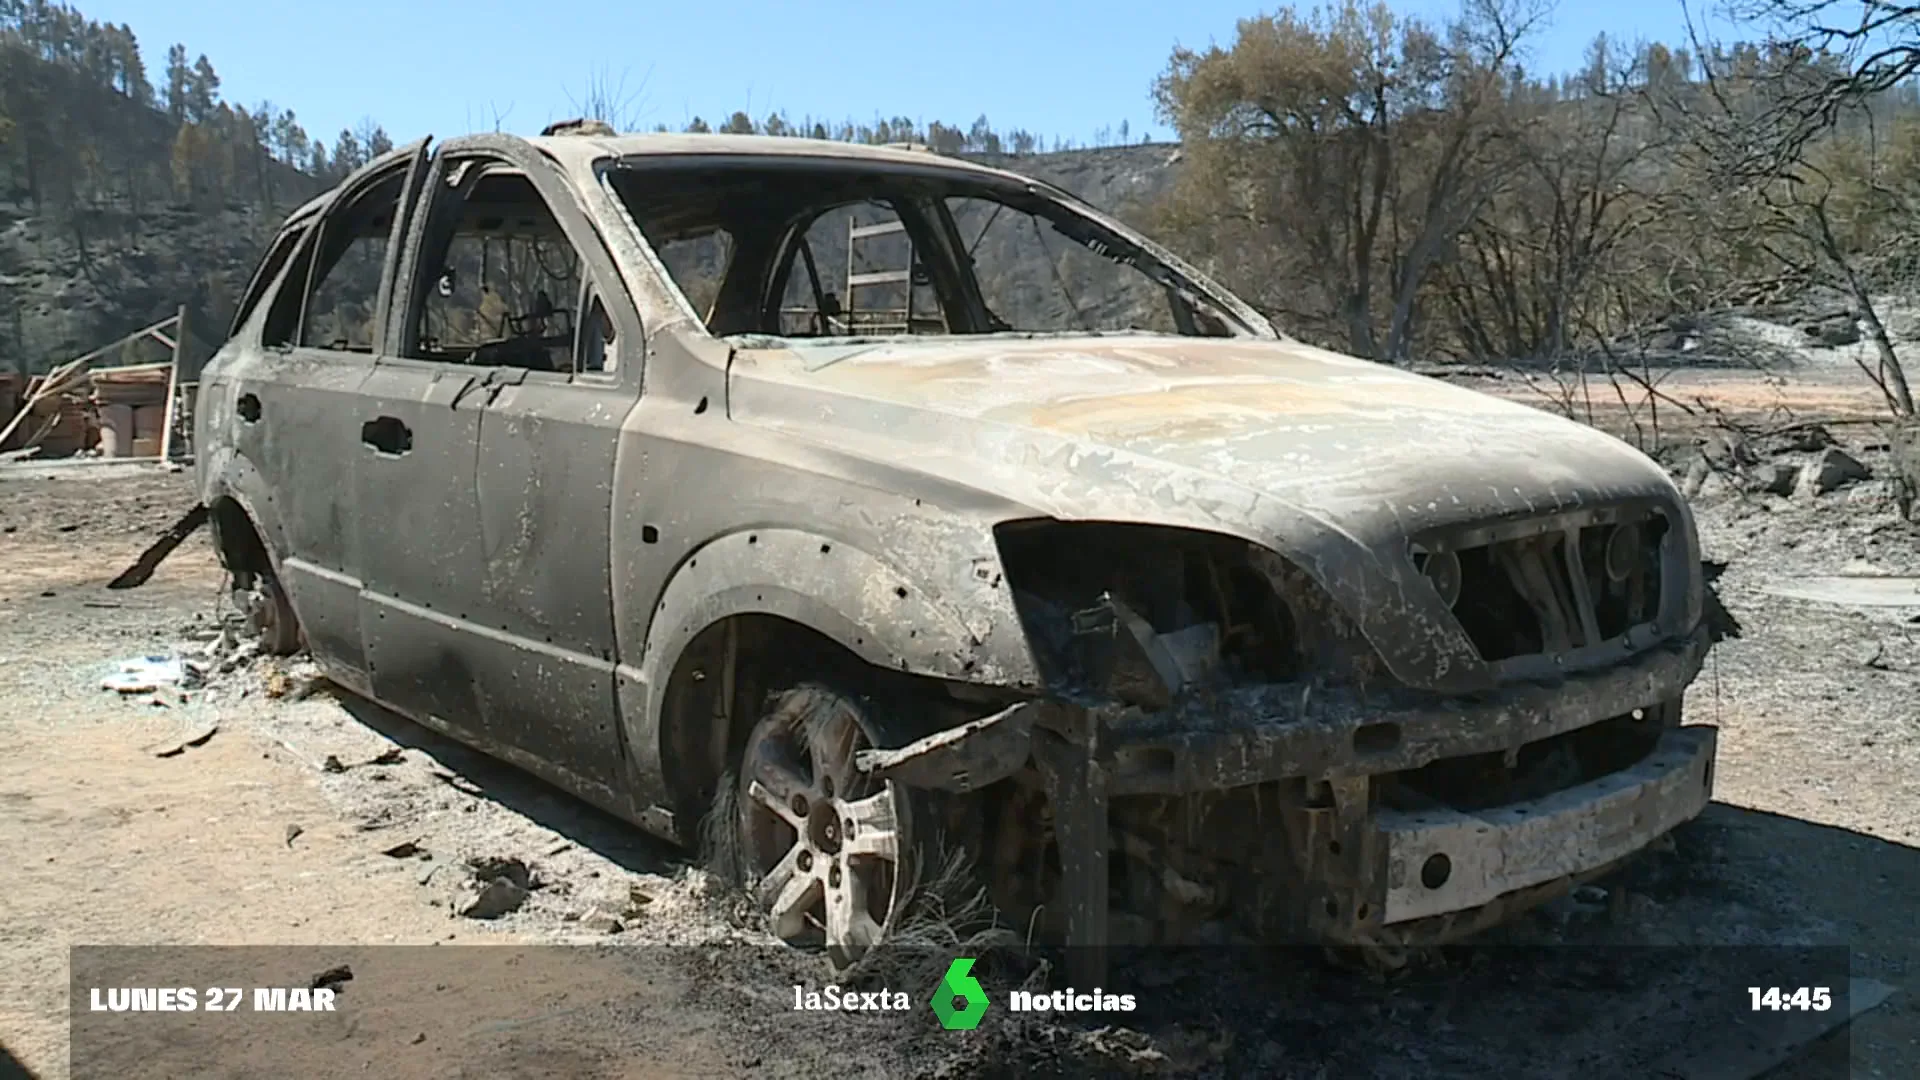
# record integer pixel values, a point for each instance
(590, 1011)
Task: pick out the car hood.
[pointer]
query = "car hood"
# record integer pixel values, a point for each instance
(1169, 429)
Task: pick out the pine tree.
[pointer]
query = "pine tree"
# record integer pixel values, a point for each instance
(203, 91)
(347, 155)
(178, 77)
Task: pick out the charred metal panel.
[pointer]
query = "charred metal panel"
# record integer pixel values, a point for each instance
(1440, 860)
(1329, 461)
(418, 520)
(1253, 734)
(902, 572)
(876, 608)
(966, 758)
(651, 529)
(303, 443)
(611, 799)
(545, 479)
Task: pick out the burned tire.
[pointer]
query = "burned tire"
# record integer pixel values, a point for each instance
(827, 851)
(268, 612)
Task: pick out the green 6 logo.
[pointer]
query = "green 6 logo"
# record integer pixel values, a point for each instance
(959, 984)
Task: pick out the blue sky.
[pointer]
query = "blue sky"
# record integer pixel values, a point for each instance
(1054, 67)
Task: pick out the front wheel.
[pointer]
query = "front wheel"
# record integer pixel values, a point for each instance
(827, 847)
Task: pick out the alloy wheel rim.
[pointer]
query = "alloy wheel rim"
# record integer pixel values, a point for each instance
(823, 839)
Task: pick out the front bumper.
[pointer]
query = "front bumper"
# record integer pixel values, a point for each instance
(1367, 874)
(1271, 733)
(1440, 861)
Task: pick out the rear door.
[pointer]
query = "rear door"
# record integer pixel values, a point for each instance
(296, 405)
(417, 429)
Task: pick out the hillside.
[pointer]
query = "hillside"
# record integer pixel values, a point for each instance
(80, 264)
(1126, 179)
(120, 201)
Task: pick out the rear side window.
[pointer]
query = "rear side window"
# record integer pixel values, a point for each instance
(340, 311)
(277, 255)
(328, 300)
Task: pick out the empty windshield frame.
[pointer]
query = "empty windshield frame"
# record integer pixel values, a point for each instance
(855, 176)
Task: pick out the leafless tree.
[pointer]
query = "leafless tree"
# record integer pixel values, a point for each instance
(1332, 157)
(1785, 137)
(608, 100)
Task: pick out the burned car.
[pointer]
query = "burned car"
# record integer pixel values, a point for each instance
(846, 506)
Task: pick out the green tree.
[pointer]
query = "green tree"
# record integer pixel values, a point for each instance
(347, 154)
(290, 140)
(179, 78)
(203, 91)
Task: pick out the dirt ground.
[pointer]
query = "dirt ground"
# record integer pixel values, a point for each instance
(282, 828)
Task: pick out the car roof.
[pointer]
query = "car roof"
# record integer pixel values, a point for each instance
(574, 148)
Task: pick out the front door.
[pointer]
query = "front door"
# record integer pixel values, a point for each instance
(416, 428)
(511, 290)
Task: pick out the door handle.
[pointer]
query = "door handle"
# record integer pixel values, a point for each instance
(387, 435)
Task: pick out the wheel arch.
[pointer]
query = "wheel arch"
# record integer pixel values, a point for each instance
(242, 514)
(754, 607)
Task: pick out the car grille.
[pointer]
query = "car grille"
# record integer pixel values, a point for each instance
(1558, 587)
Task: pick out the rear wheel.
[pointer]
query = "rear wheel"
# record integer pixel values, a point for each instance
(827, 847)
(258, 595)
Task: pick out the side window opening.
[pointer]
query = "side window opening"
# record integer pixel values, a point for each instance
(264, 276)
(283, 315)
(330, 302)
(596, 334)
(340, 312)
(504, 280)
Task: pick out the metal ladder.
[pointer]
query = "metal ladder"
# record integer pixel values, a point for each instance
(913, 317)
(879, 320)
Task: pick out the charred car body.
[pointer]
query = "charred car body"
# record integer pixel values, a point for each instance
(565, 446)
